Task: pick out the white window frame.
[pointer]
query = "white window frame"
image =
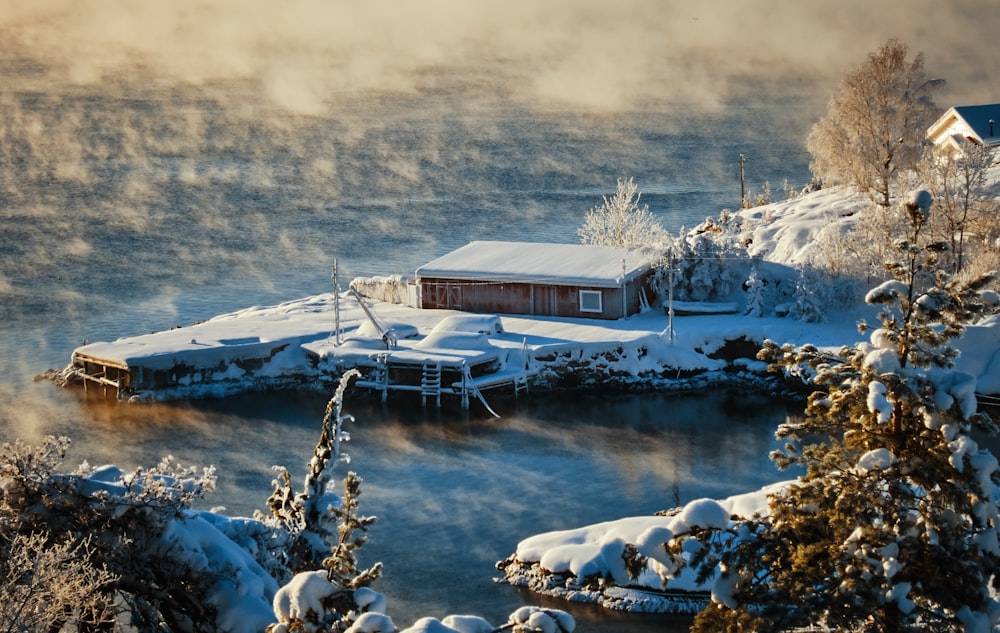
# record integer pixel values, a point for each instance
(585, 305)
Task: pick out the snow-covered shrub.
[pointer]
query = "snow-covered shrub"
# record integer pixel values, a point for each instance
(312, 603)
(46, 584)
(158, 559)
(755, 286)
(709, 263)
(811, 296)
(536, 619)
(754, 199)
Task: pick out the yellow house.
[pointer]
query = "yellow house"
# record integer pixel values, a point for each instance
(978, 124)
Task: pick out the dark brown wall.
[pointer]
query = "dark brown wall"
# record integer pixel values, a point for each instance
(521, 298)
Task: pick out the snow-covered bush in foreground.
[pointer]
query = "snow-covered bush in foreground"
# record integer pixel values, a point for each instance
(623, 564)
(85, 548)
(44, 585)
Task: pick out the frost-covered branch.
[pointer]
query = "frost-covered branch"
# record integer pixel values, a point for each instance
(620, 221)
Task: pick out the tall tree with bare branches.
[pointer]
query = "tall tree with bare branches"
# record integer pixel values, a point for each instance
(876, 124)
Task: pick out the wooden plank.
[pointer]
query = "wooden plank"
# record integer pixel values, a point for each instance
(80, 357)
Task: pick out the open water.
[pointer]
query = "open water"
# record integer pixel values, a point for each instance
(124, 213)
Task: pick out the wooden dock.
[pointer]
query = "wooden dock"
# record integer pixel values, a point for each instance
(101, 373)
(433, 377)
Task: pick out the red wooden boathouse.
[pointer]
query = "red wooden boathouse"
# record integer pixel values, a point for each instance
(538, 279)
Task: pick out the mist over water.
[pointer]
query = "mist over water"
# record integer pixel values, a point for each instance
(165, 207)
(128, 215)
(160, 165)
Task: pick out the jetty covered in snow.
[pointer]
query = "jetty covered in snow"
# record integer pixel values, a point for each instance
(297, 345)
(514, 342)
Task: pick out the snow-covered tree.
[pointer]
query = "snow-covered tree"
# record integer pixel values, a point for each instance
(963, 202)
(810, 297)
(710, 261)
(620, 221)
(894, 524)
(755, 293)
(317, 517)
(876, 125)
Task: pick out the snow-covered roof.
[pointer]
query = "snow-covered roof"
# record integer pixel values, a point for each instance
(542, 263)
(979, 122)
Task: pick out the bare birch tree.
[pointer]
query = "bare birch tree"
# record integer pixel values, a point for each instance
(962, 199)
(876, 125)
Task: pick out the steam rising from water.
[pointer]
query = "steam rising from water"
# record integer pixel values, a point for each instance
(163, 162)
(591, 54)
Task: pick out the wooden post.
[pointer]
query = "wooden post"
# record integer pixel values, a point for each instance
(624, 292)
(465, 386)
(336, 305)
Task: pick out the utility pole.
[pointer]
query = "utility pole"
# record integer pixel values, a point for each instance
(336, 304)
(670, 296)
(743, 188)
(670, 293)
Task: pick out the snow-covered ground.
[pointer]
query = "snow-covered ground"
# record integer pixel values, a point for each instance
(564, 563)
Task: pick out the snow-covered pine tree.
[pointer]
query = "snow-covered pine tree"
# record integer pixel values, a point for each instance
(316, 518)
(810, 303)
(893, 526)
(755, 293)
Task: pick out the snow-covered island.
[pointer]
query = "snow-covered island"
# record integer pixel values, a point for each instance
(311, 342)
(308, 343)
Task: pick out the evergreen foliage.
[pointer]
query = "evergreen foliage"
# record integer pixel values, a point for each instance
(755, 286)
(810, 299)
(115, 534)
(317, 517)
(709, 261)
(893, 525)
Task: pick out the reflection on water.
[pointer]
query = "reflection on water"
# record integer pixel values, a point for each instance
(454, 494)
